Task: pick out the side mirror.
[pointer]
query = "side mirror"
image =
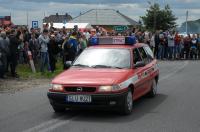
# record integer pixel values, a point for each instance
(67, 64)
(139, 64)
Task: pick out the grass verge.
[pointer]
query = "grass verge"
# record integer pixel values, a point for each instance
(25, 72)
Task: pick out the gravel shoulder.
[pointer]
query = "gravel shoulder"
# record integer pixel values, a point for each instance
(13, 85)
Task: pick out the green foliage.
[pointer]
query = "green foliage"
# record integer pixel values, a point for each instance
(159, 19)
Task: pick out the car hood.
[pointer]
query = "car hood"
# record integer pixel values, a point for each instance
(91, 76)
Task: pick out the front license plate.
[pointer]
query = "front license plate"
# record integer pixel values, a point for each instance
(79, 98)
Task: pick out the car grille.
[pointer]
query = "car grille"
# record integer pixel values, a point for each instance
(80, 89)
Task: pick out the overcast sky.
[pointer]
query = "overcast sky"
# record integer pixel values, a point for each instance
(37, 9)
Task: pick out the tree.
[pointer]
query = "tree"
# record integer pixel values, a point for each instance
(159, 19)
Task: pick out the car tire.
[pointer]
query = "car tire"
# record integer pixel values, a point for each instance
(58, 109)
(152, 93)
(128, 103)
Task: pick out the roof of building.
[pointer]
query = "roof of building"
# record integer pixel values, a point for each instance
(104, 17)
(57, 18)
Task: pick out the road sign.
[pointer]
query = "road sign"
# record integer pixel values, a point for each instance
(34, 24)
(120, 28)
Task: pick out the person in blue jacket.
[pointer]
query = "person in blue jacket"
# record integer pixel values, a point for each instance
(131, 39)
(71, 48)
(93, 40)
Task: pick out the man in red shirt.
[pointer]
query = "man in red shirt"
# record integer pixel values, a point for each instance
(177, 41)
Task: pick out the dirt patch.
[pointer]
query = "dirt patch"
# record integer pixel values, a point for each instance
(13, 85)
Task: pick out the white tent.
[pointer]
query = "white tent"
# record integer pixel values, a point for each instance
(71, 25)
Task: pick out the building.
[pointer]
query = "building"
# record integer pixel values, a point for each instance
(57, 18)
(107, 18)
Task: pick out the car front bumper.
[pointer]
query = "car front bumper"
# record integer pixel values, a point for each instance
(105, 101)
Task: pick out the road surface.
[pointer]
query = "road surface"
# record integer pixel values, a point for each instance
(176, 108)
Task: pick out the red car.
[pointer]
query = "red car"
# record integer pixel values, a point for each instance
(106, 76)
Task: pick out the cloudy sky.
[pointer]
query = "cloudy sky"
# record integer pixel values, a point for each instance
(37, 9)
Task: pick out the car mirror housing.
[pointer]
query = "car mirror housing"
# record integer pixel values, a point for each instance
(139, 64)
(67, 64)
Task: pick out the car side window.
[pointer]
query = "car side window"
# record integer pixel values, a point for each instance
(136, 56)
(143, 55)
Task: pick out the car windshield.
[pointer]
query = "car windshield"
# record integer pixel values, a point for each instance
(104, 58)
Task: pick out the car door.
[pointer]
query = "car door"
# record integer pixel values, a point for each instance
(146, 71)
(139, 86)
(152, 62)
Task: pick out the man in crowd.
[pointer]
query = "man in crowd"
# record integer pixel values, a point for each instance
(34, 47)
(157, 42)
(4, 51)
(43, 42)
(83, 43)
(70, 48)
(53, 50)
(177, 42)
(14, 53)
(198, 45)
(1, 66)
(187, 43)
(193, 48)
(161, 46)
(170, 40)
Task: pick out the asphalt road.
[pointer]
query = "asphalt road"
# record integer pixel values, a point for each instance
(176, 108)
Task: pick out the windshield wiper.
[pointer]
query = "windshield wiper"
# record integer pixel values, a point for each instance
(80, 65)
(105, 66)
(117, 67)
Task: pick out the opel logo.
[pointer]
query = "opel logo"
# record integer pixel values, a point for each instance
(79, 89)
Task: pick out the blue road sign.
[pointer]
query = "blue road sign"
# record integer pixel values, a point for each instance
(34, 24)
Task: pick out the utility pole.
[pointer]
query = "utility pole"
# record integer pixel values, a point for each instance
(10, 18)
(96, 17)
(186, 24)
(27, 18)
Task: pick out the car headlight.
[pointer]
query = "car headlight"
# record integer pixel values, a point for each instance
(56, 87)
(110, 88)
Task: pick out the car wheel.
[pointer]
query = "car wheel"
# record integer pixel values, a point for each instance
(59, 109)
(128, 104)
(154, 88)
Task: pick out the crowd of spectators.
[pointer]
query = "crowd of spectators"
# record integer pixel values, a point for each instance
(174, 46)
(48, 46)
